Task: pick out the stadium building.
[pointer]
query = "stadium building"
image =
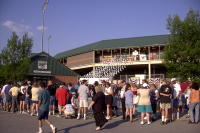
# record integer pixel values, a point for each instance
(141, 57)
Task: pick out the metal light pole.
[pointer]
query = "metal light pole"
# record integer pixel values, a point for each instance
(44, 6)
(48, 42)
(43, 29)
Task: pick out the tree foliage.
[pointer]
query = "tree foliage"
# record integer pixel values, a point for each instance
(182, 53)
(15, 57)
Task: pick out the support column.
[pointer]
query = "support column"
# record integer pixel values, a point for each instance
(149, 65)
(120, 51)
(93, 57)
(111, 53)
(129, 52)
(149, 53)
(139, 55)
(149, 69)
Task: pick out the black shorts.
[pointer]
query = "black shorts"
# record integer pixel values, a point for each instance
(22, 97)
(108, 100)
(35, 102)
(43, 115)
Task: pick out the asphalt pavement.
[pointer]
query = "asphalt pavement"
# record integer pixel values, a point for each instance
(24, 123)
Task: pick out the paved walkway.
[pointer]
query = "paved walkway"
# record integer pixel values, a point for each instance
(18, 123)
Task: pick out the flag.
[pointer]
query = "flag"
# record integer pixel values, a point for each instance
(44, 6)
(49, 37)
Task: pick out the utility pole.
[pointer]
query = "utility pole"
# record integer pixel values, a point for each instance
(44, 6)
(48, 43)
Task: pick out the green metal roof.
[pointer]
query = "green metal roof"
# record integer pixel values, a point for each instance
(54, 67)
(116, 43)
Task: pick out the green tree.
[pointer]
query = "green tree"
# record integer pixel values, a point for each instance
(15, 57)
(182, 53)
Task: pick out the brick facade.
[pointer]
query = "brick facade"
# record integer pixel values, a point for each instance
(81, 59)
(66, 79)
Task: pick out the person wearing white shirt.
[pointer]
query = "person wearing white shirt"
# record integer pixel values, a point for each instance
(22, 97)
(176, 98)
(108, 99)
(6, 96)
(3, 96)
(135, 54)
(83, 92)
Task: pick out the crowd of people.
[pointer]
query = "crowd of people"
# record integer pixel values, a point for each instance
(167, 100)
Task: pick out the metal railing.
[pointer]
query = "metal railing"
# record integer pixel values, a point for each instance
(127, 58)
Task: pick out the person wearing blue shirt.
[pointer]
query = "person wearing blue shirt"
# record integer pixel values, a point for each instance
(129, 101)
(43, 111)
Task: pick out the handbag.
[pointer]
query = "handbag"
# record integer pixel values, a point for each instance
(136, 100)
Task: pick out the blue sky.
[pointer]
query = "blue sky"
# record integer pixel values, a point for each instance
(74, 23)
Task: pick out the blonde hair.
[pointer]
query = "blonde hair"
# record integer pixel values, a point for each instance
(98, 89)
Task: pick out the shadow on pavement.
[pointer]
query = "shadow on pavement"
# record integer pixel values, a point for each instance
(66, 130)
(114, 124)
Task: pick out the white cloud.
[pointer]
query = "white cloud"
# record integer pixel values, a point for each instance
(41, 27)
(11, 25)
(18, 28)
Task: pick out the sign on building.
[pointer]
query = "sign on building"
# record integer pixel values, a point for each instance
(42, 65)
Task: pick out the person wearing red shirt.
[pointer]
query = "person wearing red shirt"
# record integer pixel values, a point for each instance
(184, 86)
(61, 95)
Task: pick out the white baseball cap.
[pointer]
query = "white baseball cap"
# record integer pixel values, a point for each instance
(145, 85)
(173, 79)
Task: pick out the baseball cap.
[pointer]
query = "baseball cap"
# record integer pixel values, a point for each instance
(145, 85)
(173, 79)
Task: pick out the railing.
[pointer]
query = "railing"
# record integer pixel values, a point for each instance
(155, 78)
(141, 57)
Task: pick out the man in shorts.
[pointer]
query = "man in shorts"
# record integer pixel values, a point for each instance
(43, 111)
(165, 101)
(176, 98)
(3, 97)
(8, 98)
(83, 91)
(52, 91)
(61, 95)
